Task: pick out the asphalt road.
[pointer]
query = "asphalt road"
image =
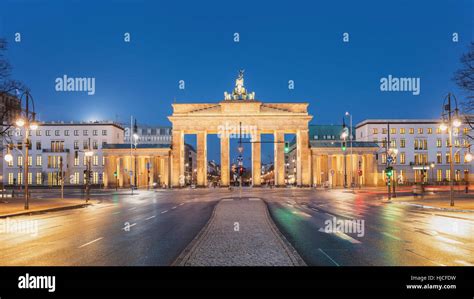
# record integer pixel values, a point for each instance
(148, 228)
(152, 228)
(394, 234)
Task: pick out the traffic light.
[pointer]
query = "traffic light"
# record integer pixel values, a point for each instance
(287, 147)
(344, 146)
(115, 173)
(389, 171)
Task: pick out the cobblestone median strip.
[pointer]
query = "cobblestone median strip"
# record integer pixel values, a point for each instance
(240, 233)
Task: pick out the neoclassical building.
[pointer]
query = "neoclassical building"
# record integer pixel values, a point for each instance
(314, 162)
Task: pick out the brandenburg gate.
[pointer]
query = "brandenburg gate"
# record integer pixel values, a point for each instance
(240, 108)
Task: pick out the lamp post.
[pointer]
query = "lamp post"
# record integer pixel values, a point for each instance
(350, 140)
(344, 135)
(88, 156)
(450, 119)
(27, 120)
(432, 166)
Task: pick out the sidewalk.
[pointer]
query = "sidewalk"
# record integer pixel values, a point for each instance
(239, 233)
(462, 203)
(16, 207)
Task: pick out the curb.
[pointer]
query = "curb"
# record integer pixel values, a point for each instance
(434, 208)
(46, 210)
(290, 250)
(185, 255)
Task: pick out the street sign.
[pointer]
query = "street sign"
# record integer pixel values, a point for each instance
(389, 159)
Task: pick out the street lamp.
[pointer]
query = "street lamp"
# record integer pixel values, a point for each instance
(27, 120)
(350, 139)
(450, 119)
(432, 166)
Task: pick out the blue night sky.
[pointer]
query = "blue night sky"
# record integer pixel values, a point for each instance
(279, 41)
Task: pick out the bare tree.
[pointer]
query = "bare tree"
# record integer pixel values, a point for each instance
(464, 78)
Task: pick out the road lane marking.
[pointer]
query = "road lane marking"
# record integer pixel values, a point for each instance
(173, 207)
(151, 217)
(463, 263)
(302, 213)
(322, 251)
(89, 243)
(164, 211)
(342, 236)
(392, 236)
(447, 240)
(114, 213)
(181, 204)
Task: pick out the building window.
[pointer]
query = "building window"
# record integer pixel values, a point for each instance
(393, 143)
(384, 158)
(85, 133)
(95, 160)
(439, 158)
(56, 132)
(39, 178)
(393, 131)
(76, 144)
(457, 175)
(465, 131)
(95, 177)
(439, 142)
(384, 142)
(39, 160)
(30, 160)
(10, 178)
(76, 132)
(94, 144)
(439, 175)
(104, 132)
(38, 145)
(402, 158)
(66, 132)
(76, 178)
(384, 130)
(38, 132)
(103, 160)
(457, 158)
(420, 130)
(19, 161)
(456, 143)
(429, 130)
(76, 161)
(48, 132)
(411, 131)
(19, 179)
(402, 130)
(10, 163)
(94, 132)
(438, 131)
(402, 143)
(448, 158)
(85, 145)
(30, 178)
(448, 174)
(456, 131)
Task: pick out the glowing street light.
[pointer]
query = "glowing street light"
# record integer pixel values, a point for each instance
(457, 123)
(20, 122)
(468, 157)
(443, 127)
(8, 157)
